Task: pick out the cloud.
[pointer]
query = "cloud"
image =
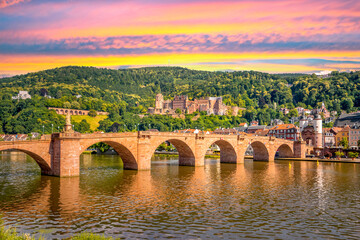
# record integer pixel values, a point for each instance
(200, 43)
(7, 3)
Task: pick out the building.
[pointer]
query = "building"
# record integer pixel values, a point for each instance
(275, 122)
(285, 131)
(311, 131)
(252, 129)
(350, 119)
(254, 123)
(211, 105)
(284, 110)
(243, 125)
(225, 131)
(354, 137)
(340, 133)
(22, 95)
(328, 137)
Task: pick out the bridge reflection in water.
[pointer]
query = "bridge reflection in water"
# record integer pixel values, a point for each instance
(254, 199)
(59, 154)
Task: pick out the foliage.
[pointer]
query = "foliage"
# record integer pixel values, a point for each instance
(353, 154)
(102, 147)
(339, 154)
(344, 142)
(10, 234)
(92, 113)
(127, 92)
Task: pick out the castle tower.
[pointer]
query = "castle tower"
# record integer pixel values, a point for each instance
(317, 123)
(159, 101)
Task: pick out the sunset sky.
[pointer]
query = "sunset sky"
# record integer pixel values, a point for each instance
(268, 35)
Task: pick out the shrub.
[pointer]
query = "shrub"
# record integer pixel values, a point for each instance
(353, 154)
(339, 154)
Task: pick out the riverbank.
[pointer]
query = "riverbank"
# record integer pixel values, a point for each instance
(174, 154)
(10, 233)
(342, 160)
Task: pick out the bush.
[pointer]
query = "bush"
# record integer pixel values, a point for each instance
(353, 154)
(92, 113)
(339, 154)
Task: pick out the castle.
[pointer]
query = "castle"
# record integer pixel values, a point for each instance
(212, 105)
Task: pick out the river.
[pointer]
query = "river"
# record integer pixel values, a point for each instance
(284, 200)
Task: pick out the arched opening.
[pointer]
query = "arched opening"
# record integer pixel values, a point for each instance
(258, 150)
(44, 166)
(112, 148)
(175, 146)
(284, 151)
(227, 151)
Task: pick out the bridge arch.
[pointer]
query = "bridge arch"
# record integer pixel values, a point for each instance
(227, 151)
(284, 151)
(43, 164)
(127, 157)
(186, 154)
(260, 151)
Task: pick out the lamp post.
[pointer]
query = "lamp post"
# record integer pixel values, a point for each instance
(52, 128)
(43, 129)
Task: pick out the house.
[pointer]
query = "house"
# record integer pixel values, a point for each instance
(285, 131)
(226, 131)
(254, 123)
(340, 133)
(354, 136)
(328, 137)
(243, 125)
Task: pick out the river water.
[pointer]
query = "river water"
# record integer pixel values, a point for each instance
(285, 200)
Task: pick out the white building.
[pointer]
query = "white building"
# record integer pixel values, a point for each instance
(22, 95)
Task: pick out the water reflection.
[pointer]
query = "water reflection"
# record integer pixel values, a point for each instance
(255, 199)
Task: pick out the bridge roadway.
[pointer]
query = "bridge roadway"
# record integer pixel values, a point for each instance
(59, 154)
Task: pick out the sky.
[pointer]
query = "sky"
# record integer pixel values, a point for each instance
(276, 36)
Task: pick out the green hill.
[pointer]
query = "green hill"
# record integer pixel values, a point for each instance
(126, 92)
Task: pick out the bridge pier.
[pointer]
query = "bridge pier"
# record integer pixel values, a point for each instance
(65, 160)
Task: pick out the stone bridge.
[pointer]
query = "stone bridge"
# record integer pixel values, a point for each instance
(59, 154)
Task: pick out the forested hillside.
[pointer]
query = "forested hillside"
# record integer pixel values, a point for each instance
(128, 92)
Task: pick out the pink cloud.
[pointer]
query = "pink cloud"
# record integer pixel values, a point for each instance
(7, 3)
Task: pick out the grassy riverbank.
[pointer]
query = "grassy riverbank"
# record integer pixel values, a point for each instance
(11, 234)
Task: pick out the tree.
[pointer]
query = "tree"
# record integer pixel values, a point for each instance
(92, 113)
(293, 113)
(347, 104)
(67, 105)
(344, 142)
(178, 111)
(59, 94)
(75, 105)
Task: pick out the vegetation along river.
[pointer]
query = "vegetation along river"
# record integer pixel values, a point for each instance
(288, 199)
